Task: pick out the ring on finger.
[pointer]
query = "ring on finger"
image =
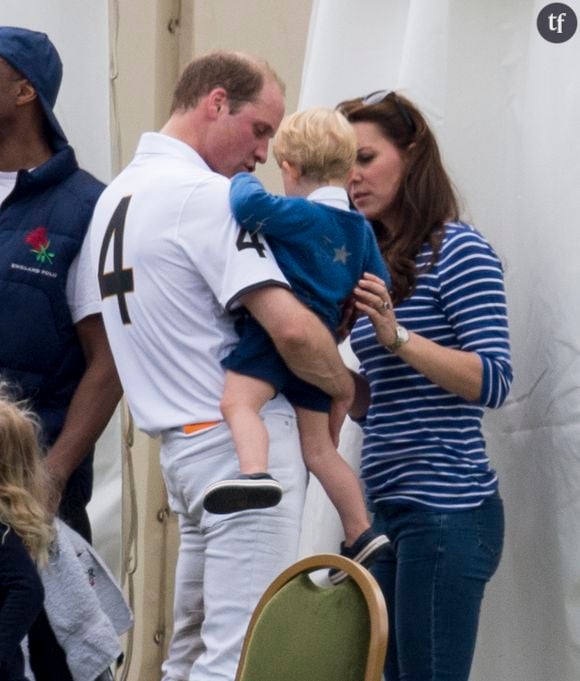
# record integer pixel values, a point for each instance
(386, 305)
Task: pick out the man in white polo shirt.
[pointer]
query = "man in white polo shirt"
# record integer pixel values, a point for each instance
(172, 263)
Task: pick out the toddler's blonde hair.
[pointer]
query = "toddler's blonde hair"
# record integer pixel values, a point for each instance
(318, 141)
(24, 484)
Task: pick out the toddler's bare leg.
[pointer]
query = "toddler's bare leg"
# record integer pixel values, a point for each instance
(243, 398)
(362, 544)
(336, 476)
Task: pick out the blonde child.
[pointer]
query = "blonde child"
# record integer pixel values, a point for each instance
(323, 248)
(25, 532)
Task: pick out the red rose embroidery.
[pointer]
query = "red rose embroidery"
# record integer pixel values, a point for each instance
(38, 239)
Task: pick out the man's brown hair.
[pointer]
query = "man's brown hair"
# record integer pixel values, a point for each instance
(241, 76)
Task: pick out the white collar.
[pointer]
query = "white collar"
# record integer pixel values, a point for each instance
(159, 143)
(8, 175)
(330, 196)
(7, 183)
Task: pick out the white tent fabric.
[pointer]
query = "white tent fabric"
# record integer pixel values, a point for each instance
(505, 105)
(82, 40)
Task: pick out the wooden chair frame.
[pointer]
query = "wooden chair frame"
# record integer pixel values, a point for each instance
(371, 591)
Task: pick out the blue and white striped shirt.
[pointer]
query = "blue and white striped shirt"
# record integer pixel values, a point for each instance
(422, 444)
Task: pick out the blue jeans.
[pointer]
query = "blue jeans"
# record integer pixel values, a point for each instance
(433, 576)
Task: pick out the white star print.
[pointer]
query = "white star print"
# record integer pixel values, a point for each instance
(341, 255)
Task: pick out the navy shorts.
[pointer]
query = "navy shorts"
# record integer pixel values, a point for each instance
(256, 356)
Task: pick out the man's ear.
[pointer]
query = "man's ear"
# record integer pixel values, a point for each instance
(26, 93)
(217, 101)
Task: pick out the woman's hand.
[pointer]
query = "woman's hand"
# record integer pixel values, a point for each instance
(373, 299)
(456, 371)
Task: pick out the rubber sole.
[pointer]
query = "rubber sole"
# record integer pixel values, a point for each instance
(229, 496)
(365, 557)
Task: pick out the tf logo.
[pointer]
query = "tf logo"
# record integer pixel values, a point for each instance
(557, 22)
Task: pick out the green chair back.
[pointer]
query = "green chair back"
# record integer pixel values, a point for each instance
(302, 631)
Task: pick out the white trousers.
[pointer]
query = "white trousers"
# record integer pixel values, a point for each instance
(226, 562)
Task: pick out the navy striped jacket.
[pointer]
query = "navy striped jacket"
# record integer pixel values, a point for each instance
(422, 444)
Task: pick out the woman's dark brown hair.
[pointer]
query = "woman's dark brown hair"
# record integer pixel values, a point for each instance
(425, 200)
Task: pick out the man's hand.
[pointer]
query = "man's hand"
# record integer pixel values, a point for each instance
(349, 317)
(57, 480)
(91, 407)
(340, 407)
(338, 412)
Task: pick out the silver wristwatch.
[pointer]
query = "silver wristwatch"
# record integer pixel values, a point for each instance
(401, 337)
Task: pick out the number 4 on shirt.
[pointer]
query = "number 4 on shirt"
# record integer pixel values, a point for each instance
(247, 239)
(118, 282)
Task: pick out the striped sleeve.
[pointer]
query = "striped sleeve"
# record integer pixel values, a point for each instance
(473, 296)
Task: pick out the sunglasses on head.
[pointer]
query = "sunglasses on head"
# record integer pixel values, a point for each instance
(379, 96)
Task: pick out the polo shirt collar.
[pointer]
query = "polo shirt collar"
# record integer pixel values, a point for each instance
(157, 143)
(331, 196)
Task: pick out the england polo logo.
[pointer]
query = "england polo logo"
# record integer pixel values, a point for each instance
(38, 239)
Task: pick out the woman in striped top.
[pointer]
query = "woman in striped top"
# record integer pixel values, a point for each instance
(434, 352)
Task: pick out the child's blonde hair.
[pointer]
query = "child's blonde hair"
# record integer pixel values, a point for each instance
(318, 141)
(24, 484)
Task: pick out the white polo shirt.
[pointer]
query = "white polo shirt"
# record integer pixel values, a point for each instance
(181, 264)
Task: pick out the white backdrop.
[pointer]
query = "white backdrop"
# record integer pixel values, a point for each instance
(80, 32)
(505, 105)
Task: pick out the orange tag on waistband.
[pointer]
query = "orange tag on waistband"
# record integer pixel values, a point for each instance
(191, 428)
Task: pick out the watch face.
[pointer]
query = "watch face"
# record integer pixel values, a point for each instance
(402, 335)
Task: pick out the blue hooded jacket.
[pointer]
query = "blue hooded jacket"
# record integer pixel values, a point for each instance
(42, 226)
